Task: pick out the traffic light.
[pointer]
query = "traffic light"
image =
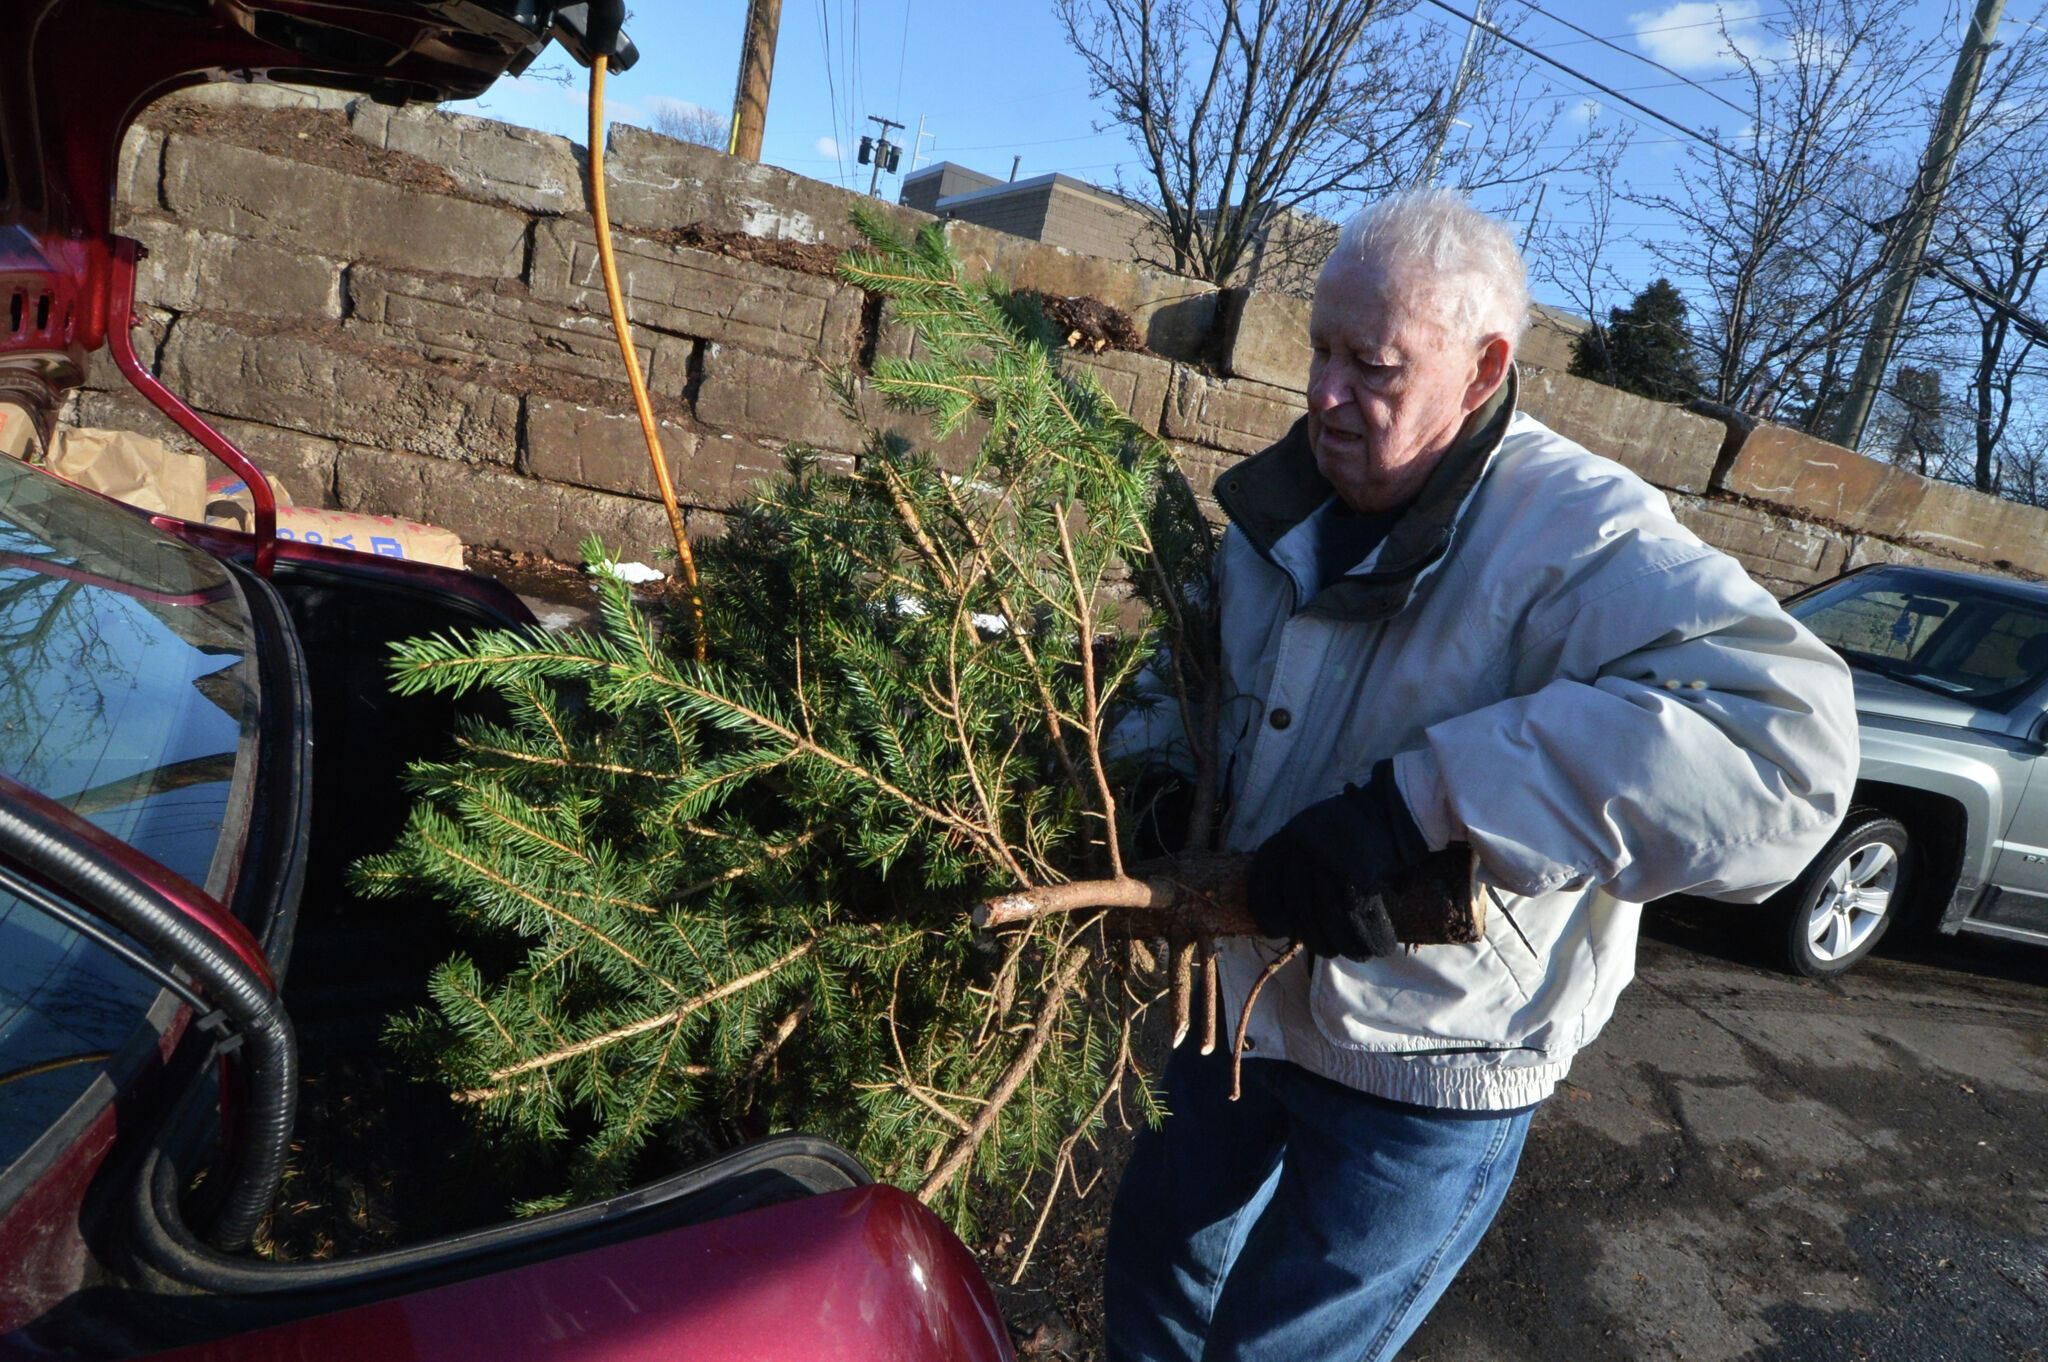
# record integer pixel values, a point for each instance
(867, 149)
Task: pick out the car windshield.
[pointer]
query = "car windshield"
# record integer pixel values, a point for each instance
(1955, 637)
(127, 674)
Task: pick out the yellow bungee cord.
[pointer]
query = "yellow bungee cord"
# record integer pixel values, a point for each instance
(622, 327)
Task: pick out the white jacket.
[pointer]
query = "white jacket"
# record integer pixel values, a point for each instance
(1604, 707)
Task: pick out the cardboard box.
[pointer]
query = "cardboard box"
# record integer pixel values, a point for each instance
(381, 535)
(228, 502)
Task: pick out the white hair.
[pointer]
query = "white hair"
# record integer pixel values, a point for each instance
(1438, 249)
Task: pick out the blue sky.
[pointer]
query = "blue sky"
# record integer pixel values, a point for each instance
(995, 79)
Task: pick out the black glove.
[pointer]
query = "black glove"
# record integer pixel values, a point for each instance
(1314, 880)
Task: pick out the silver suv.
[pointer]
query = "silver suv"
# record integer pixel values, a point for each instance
(1950, 819)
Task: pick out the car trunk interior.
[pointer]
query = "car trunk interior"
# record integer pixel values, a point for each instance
(359, 1180)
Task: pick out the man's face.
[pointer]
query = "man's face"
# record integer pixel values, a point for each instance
(1390, 384)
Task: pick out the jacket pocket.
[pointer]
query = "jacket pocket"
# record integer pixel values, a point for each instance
(1526, 984)
(1435, 998)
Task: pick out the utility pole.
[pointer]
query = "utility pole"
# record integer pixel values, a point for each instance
(1908, 243)
(881, 150)
(757, 69)
(1443, 129)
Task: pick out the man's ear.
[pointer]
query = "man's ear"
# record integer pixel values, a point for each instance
(1490, 372)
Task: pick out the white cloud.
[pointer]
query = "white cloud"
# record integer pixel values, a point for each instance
(1689, 36)
(1585, 111)
(826, 148)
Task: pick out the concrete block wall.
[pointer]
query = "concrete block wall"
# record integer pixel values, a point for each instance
(399, 312)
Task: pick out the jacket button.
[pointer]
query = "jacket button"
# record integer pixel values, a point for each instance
(1280, 718)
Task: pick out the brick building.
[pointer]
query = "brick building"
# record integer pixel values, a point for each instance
(1056, 209)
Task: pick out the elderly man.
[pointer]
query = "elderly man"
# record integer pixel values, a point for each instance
(1444, 623)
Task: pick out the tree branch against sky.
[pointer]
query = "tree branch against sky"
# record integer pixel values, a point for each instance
(1782, 282)
(687, 122)
(1577, 259)
(1243, 114)
(1994, 232)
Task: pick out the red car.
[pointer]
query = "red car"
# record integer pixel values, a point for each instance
(194, 728)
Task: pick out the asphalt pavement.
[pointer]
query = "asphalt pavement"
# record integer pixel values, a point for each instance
(1748, 1165)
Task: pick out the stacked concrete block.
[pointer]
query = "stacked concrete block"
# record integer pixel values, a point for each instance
(316, 388)
(1782, 552)
(1240, 417)
(451, 319)
(495, 161)
(1176, 316)
(1266, 338)
(1138, 384)
(238, 191)
(789, 401)
(695, 293)
(659, 182)
(1665, 444)
(1785, 468)
(188, 268)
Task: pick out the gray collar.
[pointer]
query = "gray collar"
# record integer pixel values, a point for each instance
(1268, 495)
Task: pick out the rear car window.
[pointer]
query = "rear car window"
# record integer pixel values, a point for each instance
(1954, 637)
(68, 1007)
(127, 674)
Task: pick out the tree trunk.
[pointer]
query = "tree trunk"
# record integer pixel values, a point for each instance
(1439, 902)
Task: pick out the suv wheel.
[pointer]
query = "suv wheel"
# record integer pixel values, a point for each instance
(1836, 911)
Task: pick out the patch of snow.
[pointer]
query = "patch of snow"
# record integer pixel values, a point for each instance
(633, 574)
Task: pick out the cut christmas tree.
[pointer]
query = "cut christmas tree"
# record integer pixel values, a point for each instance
(869, 867)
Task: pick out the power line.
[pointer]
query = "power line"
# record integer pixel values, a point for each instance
(1045, 142)
(1874, 172)
(2022, 320)
(831, 91)
(856, 98)
(1679, 28)
(1684, 80)
(902, 59)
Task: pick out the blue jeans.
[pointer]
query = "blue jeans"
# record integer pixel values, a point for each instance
(1303, 1222)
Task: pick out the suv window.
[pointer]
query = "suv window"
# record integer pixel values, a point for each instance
(68, 1005)
(1955, 638)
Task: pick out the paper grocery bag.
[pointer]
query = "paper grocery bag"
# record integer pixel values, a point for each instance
(132, 468)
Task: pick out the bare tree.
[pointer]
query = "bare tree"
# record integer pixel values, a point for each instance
(688, 122)
(1574, 260)
(1994, 235)
(1917, 425)
(2023, 457)
(1257, 115)
(1835, 277)
(1774, 232)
